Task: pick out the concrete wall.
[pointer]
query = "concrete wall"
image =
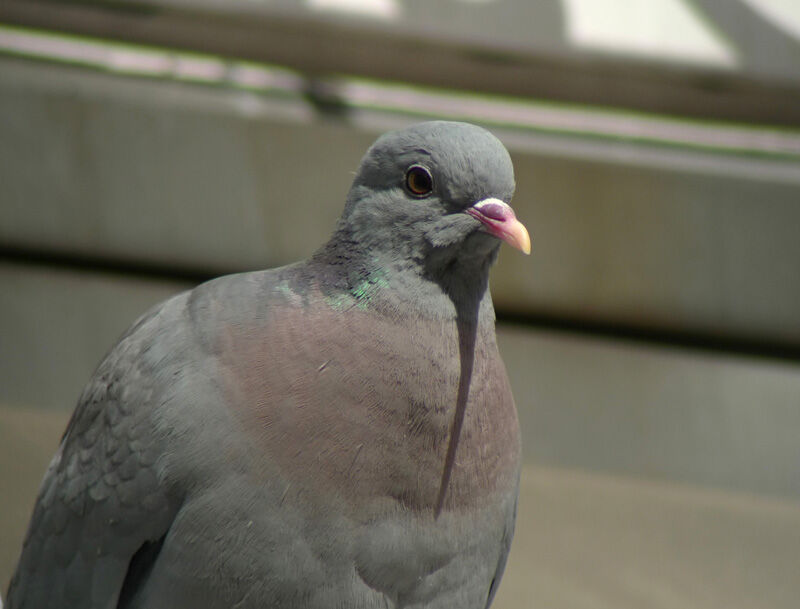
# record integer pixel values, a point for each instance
(201, 178)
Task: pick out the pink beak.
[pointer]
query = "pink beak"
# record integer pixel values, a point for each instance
(499, 220)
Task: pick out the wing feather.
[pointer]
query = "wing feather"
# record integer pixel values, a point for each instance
(102, 497)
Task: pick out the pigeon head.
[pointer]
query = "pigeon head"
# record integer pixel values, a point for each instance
(434, 192)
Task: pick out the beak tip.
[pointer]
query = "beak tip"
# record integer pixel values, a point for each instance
(522, 240)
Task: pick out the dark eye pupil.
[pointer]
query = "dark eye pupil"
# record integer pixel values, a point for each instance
(419, 181)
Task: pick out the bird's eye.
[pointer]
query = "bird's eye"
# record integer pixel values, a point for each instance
(419, 181)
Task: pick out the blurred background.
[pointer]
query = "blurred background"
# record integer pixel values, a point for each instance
(652, 338)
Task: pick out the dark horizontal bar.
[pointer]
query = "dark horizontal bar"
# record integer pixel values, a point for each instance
(91, 263)
(319, 46)
(661, 337)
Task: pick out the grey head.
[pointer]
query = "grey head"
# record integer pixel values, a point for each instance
(434, 197)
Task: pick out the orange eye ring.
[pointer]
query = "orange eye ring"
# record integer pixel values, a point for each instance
(419, 181)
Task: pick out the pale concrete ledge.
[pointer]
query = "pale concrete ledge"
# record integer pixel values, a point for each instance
(664, 413)
(590, 541)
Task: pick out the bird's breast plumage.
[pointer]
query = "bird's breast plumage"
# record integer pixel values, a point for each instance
(361, 406)
(347, 414)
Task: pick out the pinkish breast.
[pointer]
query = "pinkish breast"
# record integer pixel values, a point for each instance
(362, 406)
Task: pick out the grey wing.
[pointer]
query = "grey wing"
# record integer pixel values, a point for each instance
(508, 535)
(102, 500)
